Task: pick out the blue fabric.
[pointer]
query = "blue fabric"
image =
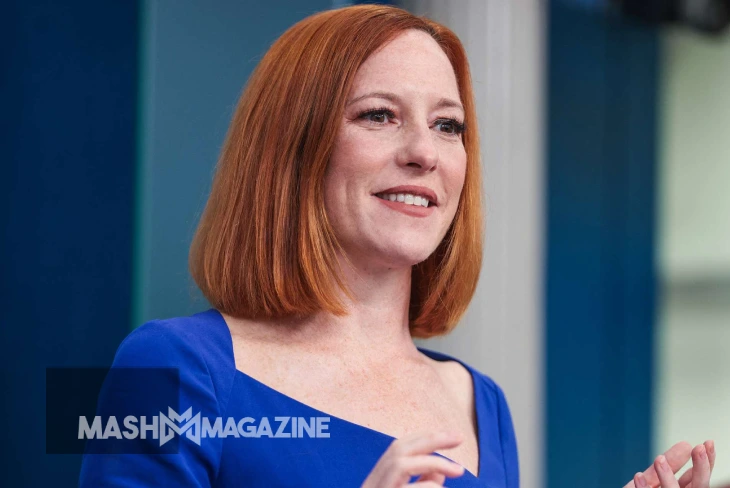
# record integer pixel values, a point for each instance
(201, 347)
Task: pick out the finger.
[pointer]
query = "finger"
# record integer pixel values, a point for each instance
(676, 456)
(686, 479)
(700, 467)
(435, 477)
(427, 465)
(665, 473)
(425, 443)
(640, 481)
(426, 484)
(710, 447)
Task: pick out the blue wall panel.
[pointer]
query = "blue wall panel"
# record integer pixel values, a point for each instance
(602, 93)
(197, 56)
(69, 84)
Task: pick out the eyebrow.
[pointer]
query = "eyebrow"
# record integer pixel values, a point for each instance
(442, 103)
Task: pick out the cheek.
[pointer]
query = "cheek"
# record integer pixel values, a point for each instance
(356, 158)
(338, 166)
(456, 173)
(346, 176)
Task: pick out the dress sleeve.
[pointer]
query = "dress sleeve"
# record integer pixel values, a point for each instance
(158, 344)
(508, 441)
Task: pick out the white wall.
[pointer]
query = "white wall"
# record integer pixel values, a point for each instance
(695, 160)
(693, 335)
(501, 334)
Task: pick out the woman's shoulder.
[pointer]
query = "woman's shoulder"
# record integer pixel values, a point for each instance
(174, 371)
(159, 340)
(195, 344)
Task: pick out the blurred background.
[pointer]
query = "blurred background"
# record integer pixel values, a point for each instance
(603, 308)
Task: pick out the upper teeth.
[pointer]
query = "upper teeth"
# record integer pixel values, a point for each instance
(407, 198)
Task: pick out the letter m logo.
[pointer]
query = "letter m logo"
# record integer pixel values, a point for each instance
(169, 425)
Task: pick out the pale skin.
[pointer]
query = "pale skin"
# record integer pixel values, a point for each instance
(399, 128)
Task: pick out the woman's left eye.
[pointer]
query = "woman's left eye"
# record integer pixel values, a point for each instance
(450, 126)
(378, 116)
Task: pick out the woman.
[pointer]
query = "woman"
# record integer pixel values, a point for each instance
(345, 219)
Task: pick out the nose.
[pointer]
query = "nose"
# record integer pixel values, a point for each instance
(419, 148)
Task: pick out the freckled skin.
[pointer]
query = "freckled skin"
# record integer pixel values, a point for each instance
(378, 152)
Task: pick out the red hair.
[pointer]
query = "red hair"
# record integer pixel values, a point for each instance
(264, 248)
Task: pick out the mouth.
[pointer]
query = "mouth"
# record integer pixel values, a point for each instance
(421, 198)
(415, 206)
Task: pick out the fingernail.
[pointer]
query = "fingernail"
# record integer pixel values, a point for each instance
(703, 453)
(642, 481)
(663, 463)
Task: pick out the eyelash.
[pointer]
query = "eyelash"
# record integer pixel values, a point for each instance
(459, 127)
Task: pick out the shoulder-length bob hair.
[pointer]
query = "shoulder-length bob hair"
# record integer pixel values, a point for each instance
(264, 248)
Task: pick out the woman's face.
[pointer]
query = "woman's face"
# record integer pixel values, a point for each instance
(401, 127)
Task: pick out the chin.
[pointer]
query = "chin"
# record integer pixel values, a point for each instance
(410, 257)
(401, 253)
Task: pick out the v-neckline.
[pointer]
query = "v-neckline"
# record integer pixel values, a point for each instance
(438, 356)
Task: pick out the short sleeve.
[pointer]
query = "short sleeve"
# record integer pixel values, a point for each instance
(159, 344)
(508, 442)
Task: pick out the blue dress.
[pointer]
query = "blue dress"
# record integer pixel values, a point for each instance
(200, 346)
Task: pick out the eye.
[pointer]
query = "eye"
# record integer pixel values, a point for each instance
(378, 116)
(450, 126)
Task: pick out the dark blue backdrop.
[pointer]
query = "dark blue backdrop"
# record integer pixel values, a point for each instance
(601, 133)
(69, 106)
(70, 80)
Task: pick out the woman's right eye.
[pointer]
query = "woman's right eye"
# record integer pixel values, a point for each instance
(378, 116)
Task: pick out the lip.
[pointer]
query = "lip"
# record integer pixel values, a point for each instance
(414, 190)
(412, 210)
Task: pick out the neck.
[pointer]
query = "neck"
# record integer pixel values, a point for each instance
(376, 324)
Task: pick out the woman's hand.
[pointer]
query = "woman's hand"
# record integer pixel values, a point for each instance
(412, 455)
(661, 473)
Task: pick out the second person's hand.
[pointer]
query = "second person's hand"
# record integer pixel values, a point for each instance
(661, 474)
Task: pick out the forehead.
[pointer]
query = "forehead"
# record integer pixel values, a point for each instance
(412, 63)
